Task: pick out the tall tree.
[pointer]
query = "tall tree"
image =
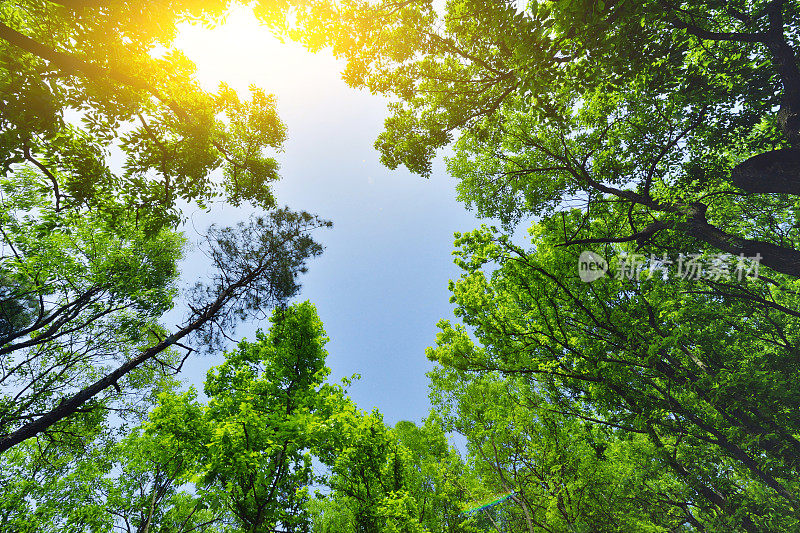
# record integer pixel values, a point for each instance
(256, 266)
(89, 252)
(709, 379)
(392, 480)
(562, 473)
(267, 402)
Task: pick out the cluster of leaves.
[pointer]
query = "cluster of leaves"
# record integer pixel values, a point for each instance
(238, 462)
(68, 60)
(704, 371)
(564, 473)
(78, 298)
(393, 480)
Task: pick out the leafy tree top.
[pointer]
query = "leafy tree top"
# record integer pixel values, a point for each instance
(81, 79)
(685, 114)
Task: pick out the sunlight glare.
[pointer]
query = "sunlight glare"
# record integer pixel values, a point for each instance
(242, 52)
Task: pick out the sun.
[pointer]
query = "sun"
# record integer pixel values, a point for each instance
(243, 52)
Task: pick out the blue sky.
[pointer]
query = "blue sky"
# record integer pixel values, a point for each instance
(381, 285)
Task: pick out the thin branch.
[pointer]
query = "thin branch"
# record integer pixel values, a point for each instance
(47, 173)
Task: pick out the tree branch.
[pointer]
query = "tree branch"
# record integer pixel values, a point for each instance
(47, 173)
(641, 237)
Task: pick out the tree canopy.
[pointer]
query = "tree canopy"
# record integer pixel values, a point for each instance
(682, 115)
(660, 139)
(650, 129)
